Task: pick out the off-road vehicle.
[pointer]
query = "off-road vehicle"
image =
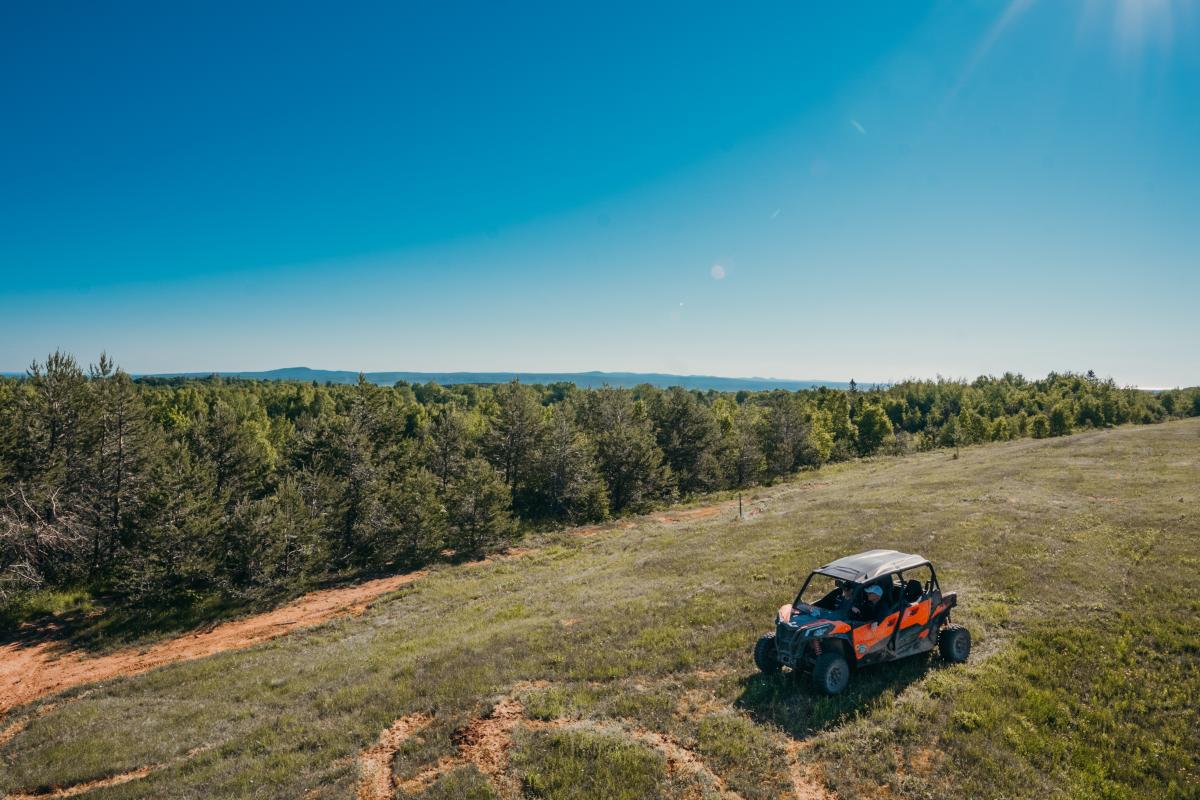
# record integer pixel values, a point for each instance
(832, 627)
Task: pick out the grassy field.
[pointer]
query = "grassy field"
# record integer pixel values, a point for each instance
(627, 655)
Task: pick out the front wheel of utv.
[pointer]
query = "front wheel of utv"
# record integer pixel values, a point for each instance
(766, 657)
(831, 673)
(955, 643)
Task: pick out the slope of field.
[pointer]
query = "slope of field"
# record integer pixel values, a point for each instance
(30, 669)
(617, 665)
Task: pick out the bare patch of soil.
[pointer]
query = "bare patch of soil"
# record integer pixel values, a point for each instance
(375, 763)
(696, 703)
(689, 514)
(485, 742)
(680, 759)
(806, 778)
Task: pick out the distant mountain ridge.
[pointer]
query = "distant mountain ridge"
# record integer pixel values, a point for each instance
(585, 380)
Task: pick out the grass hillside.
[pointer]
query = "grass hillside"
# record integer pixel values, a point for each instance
(618, 664)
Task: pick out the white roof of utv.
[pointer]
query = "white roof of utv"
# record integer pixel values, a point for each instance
(870, 565)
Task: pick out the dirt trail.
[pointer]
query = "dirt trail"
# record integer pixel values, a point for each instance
(87, 786)
(32, 670)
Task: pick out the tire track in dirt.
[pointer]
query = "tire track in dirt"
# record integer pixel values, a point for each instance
(86, 786)
(76, 789)
(485, 742)
(375, 763)
(8, 733)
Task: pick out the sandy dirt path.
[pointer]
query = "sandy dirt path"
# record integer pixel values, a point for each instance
(32, 670)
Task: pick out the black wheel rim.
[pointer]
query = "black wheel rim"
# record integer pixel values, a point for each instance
(836, 677)
(960, 647)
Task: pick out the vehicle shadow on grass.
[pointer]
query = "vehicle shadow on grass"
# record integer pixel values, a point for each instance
(790, 701)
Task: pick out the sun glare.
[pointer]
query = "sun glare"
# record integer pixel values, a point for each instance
(1137, 24)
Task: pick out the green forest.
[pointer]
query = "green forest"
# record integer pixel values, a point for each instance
(180, 492)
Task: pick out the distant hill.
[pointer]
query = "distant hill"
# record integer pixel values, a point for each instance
(581, 379)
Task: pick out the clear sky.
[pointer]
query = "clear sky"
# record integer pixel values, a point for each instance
(798, 190)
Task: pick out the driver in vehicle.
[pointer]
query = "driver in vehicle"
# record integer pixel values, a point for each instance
(870, 608)
(846, 597)
(839, 598)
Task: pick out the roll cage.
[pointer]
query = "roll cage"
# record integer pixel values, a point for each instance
(895, 584)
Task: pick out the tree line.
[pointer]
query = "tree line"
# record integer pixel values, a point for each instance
(173, 490)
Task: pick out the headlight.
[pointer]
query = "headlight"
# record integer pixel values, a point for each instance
(817, 630)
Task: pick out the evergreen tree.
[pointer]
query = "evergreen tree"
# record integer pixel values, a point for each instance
(446, 445)
(744, 460)
(972, 428)
(479, 509)
(687, 434)
(122, 443)
(43, 523)
(874, 429)
(786, 436)
(566, 482)
(513, 433)
(1039, 426)
(1060, 419)
(403, 521)
(627, 452)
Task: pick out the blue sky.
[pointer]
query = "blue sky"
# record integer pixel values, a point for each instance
(826, 191)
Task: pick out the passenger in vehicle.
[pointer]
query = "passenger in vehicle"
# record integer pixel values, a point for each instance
(870, 607)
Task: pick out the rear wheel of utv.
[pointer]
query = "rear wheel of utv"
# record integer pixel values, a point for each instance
(831, 673)
(766, 657)
(955, 643)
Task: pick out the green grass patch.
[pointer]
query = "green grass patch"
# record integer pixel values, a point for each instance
(744, 753)
(462, 783)
(582, 765)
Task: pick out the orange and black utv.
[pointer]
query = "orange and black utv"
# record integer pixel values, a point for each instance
(835, 625)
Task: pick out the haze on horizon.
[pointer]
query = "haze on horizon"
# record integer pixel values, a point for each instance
(794, 192)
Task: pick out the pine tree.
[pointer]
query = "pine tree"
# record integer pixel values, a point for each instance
(446, 445)
(513, 432)
(479, 509)
(627, 453)
(687, 434)
(121, 443)
(566, 483)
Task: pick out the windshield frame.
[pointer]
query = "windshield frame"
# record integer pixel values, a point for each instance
(798, 603)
